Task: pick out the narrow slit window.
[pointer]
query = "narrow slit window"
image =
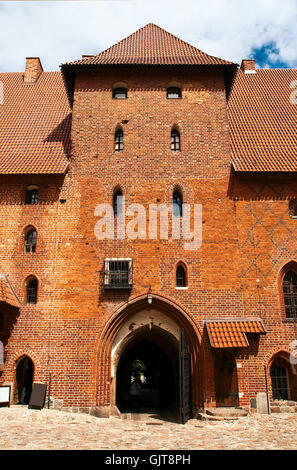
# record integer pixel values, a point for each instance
(119, 140)
(175, 140)
(30, 241)
(31, 290)
(117, 203)
(177, 204)
(181, 278)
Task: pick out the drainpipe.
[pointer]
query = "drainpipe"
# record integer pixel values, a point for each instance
(267, 394)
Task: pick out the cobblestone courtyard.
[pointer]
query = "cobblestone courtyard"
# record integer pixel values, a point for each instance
(25, 429)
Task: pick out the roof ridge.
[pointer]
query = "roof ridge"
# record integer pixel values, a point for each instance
(151, 45)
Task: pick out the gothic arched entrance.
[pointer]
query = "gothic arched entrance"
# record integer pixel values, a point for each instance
(163, 340)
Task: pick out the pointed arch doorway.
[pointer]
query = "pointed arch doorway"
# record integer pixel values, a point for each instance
(24, 381)
(165, 343)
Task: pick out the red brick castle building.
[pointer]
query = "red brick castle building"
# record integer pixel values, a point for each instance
(156, 121)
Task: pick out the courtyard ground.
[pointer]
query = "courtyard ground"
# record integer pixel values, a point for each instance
(24, 429)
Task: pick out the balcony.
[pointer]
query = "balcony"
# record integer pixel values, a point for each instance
(118, 274)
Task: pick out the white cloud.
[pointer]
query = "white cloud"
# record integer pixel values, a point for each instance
(63, 31)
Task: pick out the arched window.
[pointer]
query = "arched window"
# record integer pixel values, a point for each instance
(119, 93)
(30, 240)
(290, 294)
(32, 195)
(119, 140)
(175, 140)
(181, 276)
(173, 93)
(31, 290)
(177, 203)
(293, 208)
(117, 202)
(279, 380)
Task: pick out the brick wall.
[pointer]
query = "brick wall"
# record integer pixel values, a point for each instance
(63, 332)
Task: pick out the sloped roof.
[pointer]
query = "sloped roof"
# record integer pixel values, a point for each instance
(232, 333)
(7, 293)
(152, 45)
(263, 121)
(35, 125)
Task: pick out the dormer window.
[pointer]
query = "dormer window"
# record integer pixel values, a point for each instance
(119, 93)
(32, 195)
(173, 93)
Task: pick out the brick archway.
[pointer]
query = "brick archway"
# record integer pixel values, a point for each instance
(104, 386)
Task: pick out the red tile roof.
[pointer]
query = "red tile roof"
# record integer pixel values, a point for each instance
(263, 121)
(35, 124)
(232, 333)
(7, 293)
(152, 45)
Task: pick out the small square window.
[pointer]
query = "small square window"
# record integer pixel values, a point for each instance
(173, 93)
(119, 93)
(32, 196)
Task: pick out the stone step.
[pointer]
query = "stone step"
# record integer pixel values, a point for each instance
(226, 412)
(207, 417)
(283, 409)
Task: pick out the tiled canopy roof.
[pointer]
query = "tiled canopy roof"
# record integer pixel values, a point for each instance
(232, 333)
(152, 45)
(34, 125)
(263, 121)
(7, 293)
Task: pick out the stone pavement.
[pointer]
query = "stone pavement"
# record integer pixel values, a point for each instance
(24, 429)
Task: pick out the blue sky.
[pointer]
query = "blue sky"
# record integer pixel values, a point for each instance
(60, 31)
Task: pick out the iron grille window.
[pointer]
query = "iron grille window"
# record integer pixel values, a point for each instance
(181, 280)
(119, 140)
(119, 93)
(290, 294)
(279, 382)
(173, 93)
(30, 241)
(32, 196)
(175, 141)
(118, 274)
(31, 287)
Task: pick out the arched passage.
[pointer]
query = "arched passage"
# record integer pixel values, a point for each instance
(151, 358)
(24, 381)
(124, 327)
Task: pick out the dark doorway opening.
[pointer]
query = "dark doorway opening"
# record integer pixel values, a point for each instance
(280, 379)
(149, 365)
(24, 381)
(226, 382)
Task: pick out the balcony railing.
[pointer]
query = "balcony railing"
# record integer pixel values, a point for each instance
(118, 274)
